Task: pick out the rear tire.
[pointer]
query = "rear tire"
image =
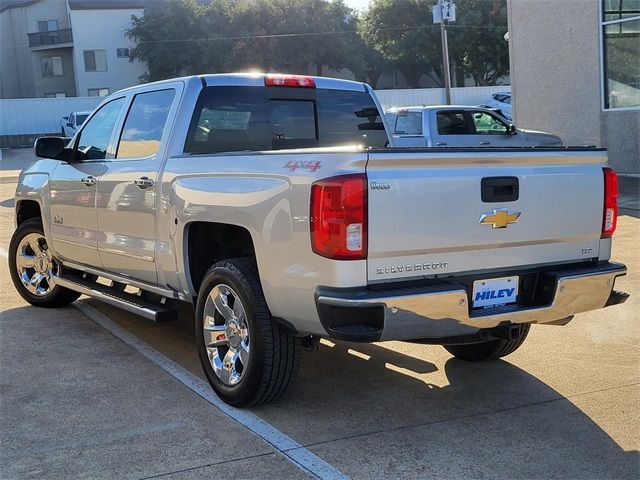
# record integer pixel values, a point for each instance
(491, 350)
(248, 358)
(32, 267)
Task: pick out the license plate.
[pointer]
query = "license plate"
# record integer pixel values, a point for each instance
(495, 291)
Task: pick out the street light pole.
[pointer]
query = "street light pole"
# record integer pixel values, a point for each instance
(443, 13)
(445, 61)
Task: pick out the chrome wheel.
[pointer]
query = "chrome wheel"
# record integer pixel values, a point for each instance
(226, 334)
(35, 265)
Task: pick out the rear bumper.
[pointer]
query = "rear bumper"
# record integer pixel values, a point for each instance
(441, 310)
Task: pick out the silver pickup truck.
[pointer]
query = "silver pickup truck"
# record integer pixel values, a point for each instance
(460, 126)
(274, 206)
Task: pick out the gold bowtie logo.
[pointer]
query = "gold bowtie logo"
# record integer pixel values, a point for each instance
(499, 218)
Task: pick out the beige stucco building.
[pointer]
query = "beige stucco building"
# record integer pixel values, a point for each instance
(575, 71)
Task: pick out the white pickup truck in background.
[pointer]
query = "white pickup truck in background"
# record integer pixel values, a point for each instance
(70, 125)
(460, 126)
(274, 206)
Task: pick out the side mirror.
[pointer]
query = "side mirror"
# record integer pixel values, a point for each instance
(511, 129)
(69, 124)
(49, 147)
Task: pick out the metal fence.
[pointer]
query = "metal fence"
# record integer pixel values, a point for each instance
(435, 96)
(33, 116)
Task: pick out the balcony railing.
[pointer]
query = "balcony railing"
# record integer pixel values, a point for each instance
(54, 37)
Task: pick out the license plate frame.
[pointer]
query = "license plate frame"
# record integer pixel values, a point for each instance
(492, 292)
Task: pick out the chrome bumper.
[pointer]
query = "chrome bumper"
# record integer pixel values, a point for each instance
(444, 311)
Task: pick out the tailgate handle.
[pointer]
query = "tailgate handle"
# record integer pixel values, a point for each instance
(500, 189)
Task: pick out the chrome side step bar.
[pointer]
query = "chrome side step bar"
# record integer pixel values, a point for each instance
(162, 311)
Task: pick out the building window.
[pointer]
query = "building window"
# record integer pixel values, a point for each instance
(122, 52)
(55, 95)
(95, 60)
(98, 92)
(52, 67)
(620, 52)
(47, 25)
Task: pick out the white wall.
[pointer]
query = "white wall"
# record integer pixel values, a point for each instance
(42, 115)
(435, 96)
(104, 30)
(24, 116)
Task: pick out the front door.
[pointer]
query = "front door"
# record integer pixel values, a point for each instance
(72, 189)
(492, 132)
(126, 195)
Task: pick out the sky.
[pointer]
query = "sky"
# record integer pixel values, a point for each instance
(357, 4)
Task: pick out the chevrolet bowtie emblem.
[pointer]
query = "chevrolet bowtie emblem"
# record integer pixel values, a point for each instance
(499, 218)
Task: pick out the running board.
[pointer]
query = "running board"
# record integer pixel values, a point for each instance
(163, 310)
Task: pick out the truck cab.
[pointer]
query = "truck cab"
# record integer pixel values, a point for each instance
(460, 126)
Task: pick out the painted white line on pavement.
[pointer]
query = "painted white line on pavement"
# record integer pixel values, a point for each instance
(292, 450)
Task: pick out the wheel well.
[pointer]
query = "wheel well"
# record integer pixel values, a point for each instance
(27, 209)
(208, 243)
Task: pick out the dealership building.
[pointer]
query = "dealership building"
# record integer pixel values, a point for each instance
(575, 71)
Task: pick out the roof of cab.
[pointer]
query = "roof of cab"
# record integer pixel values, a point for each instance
(433, 107)
(255, 79)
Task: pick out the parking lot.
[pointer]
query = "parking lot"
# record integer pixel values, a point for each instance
(91, 391)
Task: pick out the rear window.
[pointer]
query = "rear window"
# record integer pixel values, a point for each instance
(408, 123)
(228, 119)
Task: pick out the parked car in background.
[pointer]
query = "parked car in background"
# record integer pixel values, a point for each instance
(70, 125)
(460, 126)
(501, 101)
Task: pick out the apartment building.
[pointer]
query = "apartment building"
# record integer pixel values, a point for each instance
(63, 48)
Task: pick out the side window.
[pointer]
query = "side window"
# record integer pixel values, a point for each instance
(486, 124)
(228, 119)
(409, 123)
(293, 124)
(145, 124)
(96, 134)
(453, 123)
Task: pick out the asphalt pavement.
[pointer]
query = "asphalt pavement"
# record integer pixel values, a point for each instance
(77, 401)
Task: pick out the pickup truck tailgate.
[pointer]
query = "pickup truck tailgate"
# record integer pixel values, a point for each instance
(425, 210)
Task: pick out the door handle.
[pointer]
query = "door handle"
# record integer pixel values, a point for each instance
(485, 143)
(441, 144)
(89, 181)
(143, 182)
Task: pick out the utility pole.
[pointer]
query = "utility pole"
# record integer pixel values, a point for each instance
(443, 13)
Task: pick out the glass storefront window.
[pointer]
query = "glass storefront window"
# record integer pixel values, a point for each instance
(621, 53)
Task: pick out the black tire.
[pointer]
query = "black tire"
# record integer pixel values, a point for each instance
(274, 351)
(491, 350)
(57, 296)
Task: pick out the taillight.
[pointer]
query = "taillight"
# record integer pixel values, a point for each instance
(289, 81)
(339, 217)
(610, 215)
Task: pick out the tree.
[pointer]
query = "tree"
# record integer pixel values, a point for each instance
(403, 32)
(182, 37)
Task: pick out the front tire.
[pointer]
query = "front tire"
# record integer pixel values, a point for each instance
(33, 269)
(491, 350)
(247, 357)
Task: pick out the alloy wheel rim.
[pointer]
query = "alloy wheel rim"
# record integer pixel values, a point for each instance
(35, 265)
(226, 334)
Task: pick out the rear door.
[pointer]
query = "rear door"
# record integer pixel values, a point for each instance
(453, 212)
(452, 128)
(126, 192)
